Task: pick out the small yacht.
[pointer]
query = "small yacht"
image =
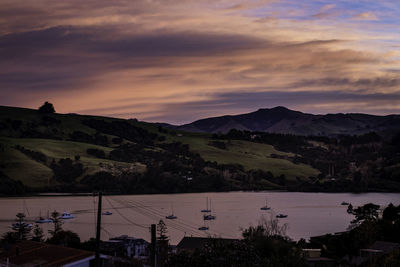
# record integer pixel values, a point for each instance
(203, 228)
(66, 215)
(43, 220)
(209, 217)
(206, 209)
(266, 206)
(172, 216)
(107, 213)
(281, 215)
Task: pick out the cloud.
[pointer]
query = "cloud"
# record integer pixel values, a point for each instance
(365, 16)
(148, 57)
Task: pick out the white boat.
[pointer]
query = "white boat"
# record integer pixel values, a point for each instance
(17, 226)
(281, 215)
(107, 213)
(43, 220)
(172, 216)
(209, 217)
(206, 209)
(66, 215)
(266, 206)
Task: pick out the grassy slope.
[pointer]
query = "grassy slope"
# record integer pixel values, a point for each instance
(35, 174)
(249, 155)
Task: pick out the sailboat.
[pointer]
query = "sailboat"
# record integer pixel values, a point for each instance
(206, 209)
(209, 216)
(266, 206)
(172, 216)
(43, 220)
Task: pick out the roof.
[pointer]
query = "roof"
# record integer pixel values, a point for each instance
(198, 242)
(30, 252)
(385, 246)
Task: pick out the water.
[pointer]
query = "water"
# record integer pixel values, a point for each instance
(309, 214)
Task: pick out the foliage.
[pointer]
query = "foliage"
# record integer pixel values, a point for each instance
(38, 235)
(66, 170)
(57, 224)
(22, 229)
(47, 108)
(162, 230)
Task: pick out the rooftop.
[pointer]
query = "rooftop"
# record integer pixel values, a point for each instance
(41, 254)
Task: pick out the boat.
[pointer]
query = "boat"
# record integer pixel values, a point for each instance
(66, 215)
(172, 216)
(204, 228)
(344, 203)
(266, 206)
(107, 213)
(209, 217)
(281, 215)
(17, 226)
(43, 220)
(206, 209)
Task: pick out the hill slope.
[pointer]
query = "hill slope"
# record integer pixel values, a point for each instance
(70, 152)
(283, 120)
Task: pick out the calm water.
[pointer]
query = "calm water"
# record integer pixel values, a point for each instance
(309, 214)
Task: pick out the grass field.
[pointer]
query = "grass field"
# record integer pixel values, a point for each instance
(32, 173)
(248, 154)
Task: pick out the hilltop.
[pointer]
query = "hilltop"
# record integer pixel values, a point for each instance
(283, 120)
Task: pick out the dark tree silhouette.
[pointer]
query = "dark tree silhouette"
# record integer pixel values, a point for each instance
(47, 108)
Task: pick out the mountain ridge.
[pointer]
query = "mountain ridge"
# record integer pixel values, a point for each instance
(283, 120)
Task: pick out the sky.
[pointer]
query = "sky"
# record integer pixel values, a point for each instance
(176, 61)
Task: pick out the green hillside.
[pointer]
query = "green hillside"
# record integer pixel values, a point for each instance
(34, 146)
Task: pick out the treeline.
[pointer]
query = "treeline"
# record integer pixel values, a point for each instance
(356, 163)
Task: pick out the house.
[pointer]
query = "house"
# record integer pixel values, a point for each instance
(30, 253)
(190, 244)
(126, 246)
(314, 259)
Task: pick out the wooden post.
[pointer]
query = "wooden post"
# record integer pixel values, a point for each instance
(153, 246)
(98, 262)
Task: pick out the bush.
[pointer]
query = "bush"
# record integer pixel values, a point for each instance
(47, 108)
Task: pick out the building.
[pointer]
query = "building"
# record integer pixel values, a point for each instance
(314, 259)
(126, 246)
(30, 253)
(190, 244)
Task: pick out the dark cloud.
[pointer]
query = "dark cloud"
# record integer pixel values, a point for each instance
(379, 82)
(225, 103)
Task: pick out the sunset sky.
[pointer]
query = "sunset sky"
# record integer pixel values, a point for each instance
(177, 61)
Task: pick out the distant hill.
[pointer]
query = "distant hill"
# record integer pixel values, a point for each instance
(283, 120)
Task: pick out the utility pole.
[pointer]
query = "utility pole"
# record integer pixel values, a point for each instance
(153, 246)
(97, 259)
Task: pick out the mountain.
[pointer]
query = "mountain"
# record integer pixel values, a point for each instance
(283, 120)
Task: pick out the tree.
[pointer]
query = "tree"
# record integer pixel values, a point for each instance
(55, 216)
(38, 235)
(162, 230)
(21, 227)
(368, 212)
(47, 108)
